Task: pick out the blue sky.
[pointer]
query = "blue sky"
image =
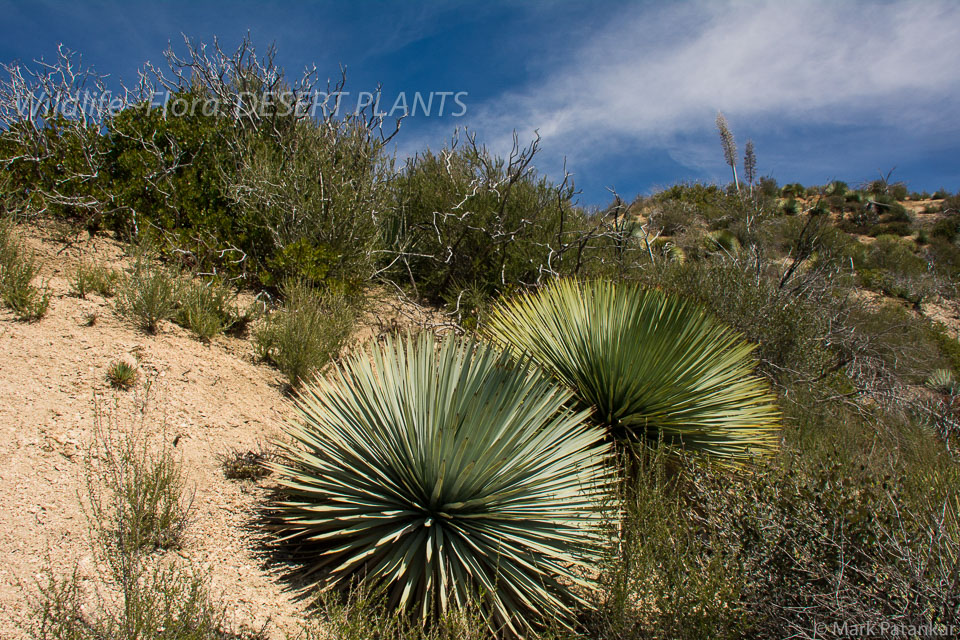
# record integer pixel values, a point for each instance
(626, 92)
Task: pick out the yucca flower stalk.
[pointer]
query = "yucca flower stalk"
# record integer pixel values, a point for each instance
(449, 475)
(650, 365)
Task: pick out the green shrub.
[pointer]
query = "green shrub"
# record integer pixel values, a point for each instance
(947, 228)
(469, 466)
(137, 492)
(792, 190)
(464, 216)
(134, 504)
(892, 254)
(650, 365)
(306, 333)
(18, 269)
(95, 278)
(205, 308)
(148, 295)
(891, 228)
(790, 207)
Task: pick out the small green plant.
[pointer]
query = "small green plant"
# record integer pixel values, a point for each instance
(18, 268)
(306, 333)
(148, 295)
(90, 319)
(206, 308)
(121, 374)
(95, 278)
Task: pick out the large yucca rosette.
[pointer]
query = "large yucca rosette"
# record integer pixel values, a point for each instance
(447, 474)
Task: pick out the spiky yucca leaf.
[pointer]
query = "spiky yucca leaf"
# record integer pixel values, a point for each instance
(444, 473)
(651, 365)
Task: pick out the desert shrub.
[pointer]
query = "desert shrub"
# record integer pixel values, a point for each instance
(470, 464)
(713, 205)
(652, 366)
(892, 254)
(304, 335)
(18, 269)
(856, 522)
(206, 308)
(136, 504)
(661, 576)
(792, 190)
(464, 217)
(790, 207)
(363, 613)
(313, 197)
(137, 491)
(895, 212)
(121, 374)
(947, 228)
(672, 217)
(92, 277)
(944, 256)
(891, 229)
(148, 294)
(789, 330)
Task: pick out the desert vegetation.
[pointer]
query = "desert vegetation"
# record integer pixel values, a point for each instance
(720, 410)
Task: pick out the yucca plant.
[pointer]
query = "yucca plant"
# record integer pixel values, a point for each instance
(650, 365)
(942, 380)
(449, 476)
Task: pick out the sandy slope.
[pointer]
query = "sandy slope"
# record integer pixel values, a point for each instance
(211, 397)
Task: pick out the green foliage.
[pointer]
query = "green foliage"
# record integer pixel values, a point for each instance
(792, 190)
(362, 615)
(722, 241)
(121, 374)
(92, 277)
(136, 505)
(175, 181)
(311, 198)
(137, 492)
(648, 364)
(790, 207)
(464, 216)
(942, 380)
(301, 338)
(205, 308)
(18, 269)
(148, 294)
(715, 205)
(443, 473)
(661, 575)
(890, 253)
(947, 228)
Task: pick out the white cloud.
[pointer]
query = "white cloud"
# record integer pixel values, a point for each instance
(653, 74)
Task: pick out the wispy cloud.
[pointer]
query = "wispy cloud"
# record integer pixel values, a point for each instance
(653, 74)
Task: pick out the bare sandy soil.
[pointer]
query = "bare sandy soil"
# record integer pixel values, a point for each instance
(210, 399)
